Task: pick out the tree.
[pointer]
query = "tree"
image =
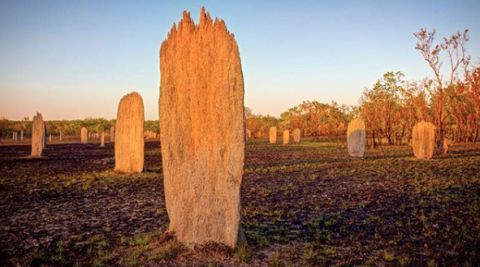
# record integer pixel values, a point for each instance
(314, 118)
(382, 108)
(455, 47)
(464, 107)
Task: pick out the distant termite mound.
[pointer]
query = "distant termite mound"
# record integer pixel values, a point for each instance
(248, 134)
(272, 135)
(102, 139)
(44, 135)
(356, 138)
(297, 134)
(112, 134)
(37, 135)
(150, 135)
(423, 140)
(286, 137)
(129, 143)
(83, 135)
(202, 131)
(446, 143)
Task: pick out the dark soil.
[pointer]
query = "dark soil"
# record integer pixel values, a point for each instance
(307, 204)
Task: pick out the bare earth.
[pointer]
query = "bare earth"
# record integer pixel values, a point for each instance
(305, 204)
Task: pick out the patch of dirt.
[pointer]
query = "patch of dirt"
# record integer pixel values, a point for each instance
(306, 204)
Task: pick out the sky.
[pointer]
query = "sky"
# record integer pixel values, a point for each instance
(76, 59)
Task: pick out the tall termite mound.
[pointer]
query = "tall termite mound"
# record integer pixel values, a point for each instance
(356, 138)
(423, 140)
(286, 137)
(129, 143)
(202, 130)
(37, 135)
(272, 135)
(83, 135)
(297, 134)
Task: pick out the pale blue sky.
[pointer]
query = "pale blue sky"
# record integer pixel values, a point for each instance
(75, 59)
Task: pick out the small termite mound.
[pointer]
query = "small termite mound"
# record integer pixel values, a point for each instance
(37, 135)
(286, 137)
(297, 135)
(102, 139)
(112, 134)
(129, 142)
(83, 135)
(446, 143)
(356, 138)
(423, 140)
(272, 135)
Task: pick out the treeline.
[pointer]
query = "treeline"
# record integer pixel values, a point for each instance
(392, 106)
(311, 117)
(67, 127)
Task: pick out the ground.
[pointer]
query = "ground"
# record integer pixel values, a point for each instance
(306, 204)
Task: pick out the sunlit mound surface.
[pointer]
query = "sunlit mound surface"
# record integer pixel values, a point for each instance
(202, 131)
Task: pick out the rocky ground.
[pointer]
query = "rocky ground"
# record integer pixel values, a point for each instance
(306, 204)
